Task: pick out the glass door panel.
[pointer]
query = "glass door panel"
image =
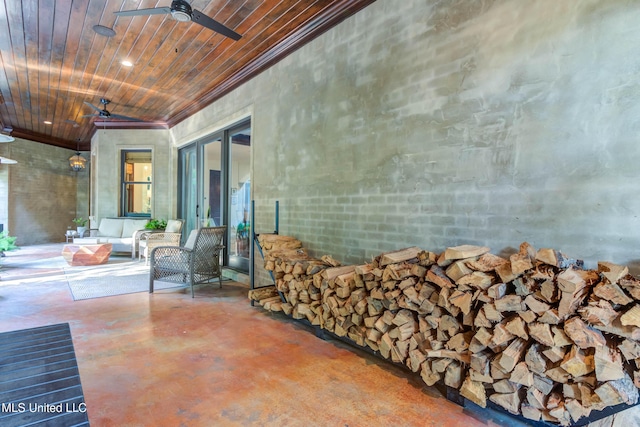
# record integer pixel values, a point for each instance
(240, 197)
(212, 194)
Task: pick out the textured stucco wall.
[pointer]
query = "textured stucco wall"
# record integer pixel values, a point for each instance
(42, 194)
(442, 123)
(106, 148)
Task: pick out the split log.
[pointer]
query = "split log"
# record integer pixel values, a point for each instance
(486, 263)
(462, 300)
(574, 285)
(583, 335)
(612, 292)
(477, 279)
(332, 273)
(438, 276)
(517, 327)
(598, 313)
(465, 251)
(619, 391)
(630, 349)
(262, 293)
(399, 256)
(534, 359)
(577, 363)
(509, 401)
(520, 263)
(457, 270)
(536, 305)
(277, 241)
(522, 375)
(530, 412)
(631, 285)
(513, 354)
(463, 357)
(510, 303)
(612, 272)
(554, 354)
(474, 391)
(631, 317)
(428, 375)
(453, 376)
(608, 364)
(541, 332)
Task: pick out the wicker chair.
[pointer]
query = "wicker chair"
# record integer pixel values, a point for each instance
(198, 261)
(169, 237)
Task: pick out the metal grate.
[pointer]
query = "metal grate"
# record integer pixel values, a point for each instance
(39, 379)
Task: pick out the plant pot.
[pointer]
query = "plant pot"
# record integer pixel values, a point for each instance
(81, 231)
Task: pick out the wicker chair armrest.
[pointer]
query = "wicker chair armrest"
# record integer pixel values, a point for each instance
(143, 235)
(162, 236)
(136, 234)
(160, 252)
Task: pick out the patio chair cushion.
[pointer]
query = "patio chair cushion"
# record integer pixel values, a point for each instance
(173, 226)
(110, 227)
(130, 226)
(191, 240)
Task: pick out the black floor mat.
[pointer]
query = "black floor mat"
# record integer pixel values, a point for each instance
(39, 379)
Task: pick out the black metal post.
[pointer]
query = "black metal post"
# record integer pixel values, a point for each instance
(252, 248)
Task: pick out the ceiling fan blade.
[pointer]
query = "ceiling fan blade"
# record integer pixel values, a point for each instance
(89, 115)
(92, 106)
(202, 19)
(118, 116)
(138, 12)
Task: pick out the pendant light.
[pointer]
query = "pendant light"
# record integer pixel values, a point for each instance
(77, 162)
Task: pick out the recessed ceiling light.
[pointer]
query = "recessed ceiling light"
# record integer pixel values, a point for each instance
(104, 31)
(127, 63)
(47, 122)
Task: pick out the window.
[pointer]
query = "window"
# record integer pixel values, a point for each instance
(137, 184)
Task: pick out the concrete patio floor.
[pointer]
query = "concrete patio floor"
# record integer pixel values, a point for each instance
(165, 359)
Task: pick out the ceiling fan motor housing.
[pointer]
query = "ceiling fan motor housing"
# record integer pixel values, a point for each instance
(181, 11)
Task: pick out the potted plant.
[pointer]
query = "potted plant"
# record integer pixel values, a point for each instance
(81, 225)
(156, 224)
(7, 243)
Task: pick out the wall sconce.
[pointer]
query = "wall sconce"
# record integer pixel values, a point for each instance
(77, 162)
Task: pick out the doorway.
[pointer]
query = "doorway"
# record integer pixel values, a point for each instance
(214, 188)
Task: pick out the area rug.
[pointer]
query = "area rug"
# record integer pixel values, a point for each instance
(117, 277)
(39, 378)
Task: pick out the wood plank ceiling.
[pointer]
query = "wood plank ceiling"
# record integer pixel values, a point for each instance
(53, 60)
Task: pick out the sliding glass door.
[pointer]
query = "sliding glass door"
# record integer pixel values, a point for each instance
(215, 188)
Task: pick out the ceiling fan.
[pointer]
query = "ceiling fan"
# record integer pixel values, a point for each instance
(181, 11)
(104, 114)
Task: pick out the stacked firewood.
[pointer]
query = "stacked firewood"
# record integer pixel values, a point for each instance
(536, 334)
